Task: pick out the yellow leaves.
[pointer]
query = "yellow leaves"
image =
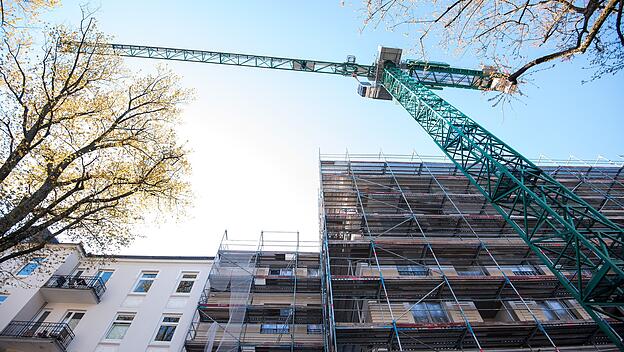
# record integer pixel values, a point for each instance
(104, 141)
(17, 15)
(15, 11)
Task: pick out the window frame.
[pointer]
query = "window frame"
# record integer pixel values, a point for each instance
(69, 315)
(116, 320)
(413, 270)
(275, 329)
(99, 273)
(470, 271)
(281, 272)
(316, 271)
(41, 315)
(287, 272)
(316, 329)
(523, 270)
(547, 313)
(141, 278)
(182, 279)
(36, 261)
(5, 295)
(563, 313)
(163, 323)
(428, 310)
(78, 272)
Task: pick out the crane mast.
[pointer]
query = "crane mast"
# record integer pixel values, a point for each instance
(556, 224)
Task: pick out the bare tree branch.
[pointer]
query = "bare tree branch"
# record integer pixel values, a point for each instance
(580, 47)
(505, 32)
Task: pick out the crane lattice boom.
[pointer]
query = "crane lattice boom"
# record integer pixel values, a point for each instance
(434, 75)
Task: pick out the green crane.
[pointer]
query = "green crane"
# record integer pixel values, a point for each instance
(557, 225)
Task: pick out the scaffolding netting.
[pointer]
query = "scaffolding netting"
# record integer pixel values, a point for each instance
(233, 273)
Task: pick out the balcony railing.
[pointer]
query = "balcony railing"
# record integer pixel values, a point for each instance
(59, 332)
(94, 283)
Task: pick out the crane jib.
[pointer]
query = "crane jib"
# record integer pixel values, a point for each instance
(222, 58)
(434, 75)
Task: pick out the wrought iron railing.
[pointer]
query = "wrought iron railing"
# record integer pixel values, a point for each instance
(60, 332)
(94, 283)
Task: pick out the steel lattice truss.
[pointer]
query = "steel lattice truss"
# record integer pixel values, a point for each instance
(438, 77)
(432, 76)
(557, 225)
(214, 57)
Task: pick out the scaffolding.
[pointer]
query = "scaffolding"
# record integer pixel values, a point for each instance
(261, 295)
(411, 257)
(415, 258)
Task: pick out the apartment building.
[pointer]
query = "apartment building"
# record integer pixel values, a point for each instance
(63, 299)
(263, 295)
(415, 258)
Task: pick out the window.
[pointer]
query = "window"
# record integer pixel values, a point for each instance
(315, 328)
(120, 325)
(313, 272)
(281, 272)
(546, 311)
(470, 271)
(167, 328)
(274, 329)
(426, 312)
(3, 297)
(523, 270)
(186, 283)
(555, 310)
(72, 318)
(43, 315)
(30, 267)
(413, 270)
(285, 312)
(560, 309)
(37, 321)
(104, 275)
(145, 281)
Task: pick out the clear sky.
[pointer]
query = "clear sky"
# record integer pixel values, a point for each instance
(256, 133)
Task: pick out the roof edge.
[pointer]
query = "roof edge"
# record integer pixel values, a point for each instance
(86, 254)
(159, 257)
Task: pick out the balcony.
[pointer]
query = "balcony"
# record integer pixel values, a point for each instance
(36, 336)
(73, 289)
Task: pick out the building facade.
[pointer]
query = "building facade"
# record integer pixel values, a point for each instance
(63, 299)
(415, 258)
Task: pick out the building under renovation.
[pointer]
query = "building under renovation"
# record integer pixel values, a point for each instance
(261, 296)
(416, 258)
(412, 257)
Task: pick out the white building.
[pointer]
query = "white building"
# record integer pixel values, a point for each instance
(63, 299)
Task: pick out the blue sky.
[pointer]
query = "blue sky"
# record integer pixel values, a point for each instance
(256, 133)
